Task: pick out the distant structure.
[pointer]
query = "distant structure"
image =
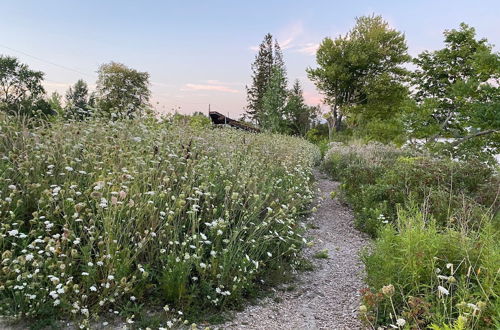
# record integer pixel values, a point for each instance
(219, 119)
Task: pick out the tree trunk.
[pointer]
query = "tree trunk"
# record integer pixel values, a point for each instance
(334, 122)
(331, 125)
(338, 122)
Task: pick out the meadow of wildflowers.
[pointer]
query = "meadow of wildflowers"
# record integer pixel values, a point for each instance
(105, 218)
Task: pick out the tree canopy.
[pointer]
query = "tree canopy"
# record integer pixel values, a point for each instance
(457, 94)
(360, 68)
(21, 89)
(122, 91)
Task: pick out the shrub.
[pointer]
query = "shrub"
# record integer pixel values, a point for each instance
(439, 276)
(98, 216)
(377, 178)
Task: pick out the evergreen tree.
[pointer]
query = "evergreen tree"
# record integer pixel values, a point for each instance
(279, 62)
(55, 101)
(78, 101)
(261, 74)
(298, 115)
(274, 103)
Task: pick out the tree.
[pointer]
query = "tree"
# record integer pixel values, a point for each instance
(274, 103)
(122, 92)
(266, 60)
(350, 66)
(79, 103)
(299, 116)
(55, 102)
(457, 94)
(21, 88)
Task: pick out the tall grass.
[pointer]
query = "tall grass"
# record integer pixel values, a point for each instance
(378, 178)
(440, 275)
(104, 217)
(436, 258)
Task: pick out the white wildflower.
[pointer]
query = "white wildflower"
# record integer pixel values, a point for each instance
(443, 291)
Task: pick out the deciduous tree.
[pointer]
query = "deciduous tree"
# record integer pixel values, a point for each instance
(457, 94)
(351, 66)
(21, 88)
(122, 91)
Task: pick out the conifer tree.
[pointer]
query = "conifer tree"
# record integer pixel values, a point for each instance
(274, 102)
(78, 101)
(298, 115)
(261, 74)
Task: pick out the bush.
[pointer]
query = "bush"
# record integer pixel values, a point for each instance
(378, 178)
(431, 266)
(426, 275)
(98, 216)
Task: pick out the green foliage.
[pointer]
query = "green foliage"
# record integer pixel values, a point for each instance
(79, 104)
(126, 215)
(434, 264)
(299, 116)
(385, 131)
(457, 95)
(361, 73)
(323, 254)
(439, 275)
(196, 121)
(199, 120)
(21, 90)
(122, 92)
(317, 133)
(377, 179)
(268, 60)
(55, 101)
(274, 103)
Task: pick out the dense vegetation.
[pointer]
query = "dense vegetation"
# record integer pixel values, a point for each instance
(449, 103)
(437, 255)
(99, 216)
(378, 179)
(105, 207)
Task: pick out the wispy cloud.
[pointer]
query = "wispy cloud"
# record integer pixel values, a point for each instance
(293, 38)
(290, 33)
(224, 83)
(209, 87)
(308, 48)
(159, 84)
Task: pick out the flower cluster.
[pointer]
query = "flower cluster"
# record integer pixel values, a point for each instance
(97, 216)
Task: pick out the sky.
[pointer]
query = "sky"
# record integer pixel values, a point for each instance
(200, 52)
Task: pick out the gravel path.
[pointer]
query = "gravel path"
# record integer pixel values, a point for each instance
(327, 297)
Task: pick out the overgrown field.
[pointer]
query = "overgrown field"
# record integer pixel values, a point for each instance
(109, 217)
(436, 258)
